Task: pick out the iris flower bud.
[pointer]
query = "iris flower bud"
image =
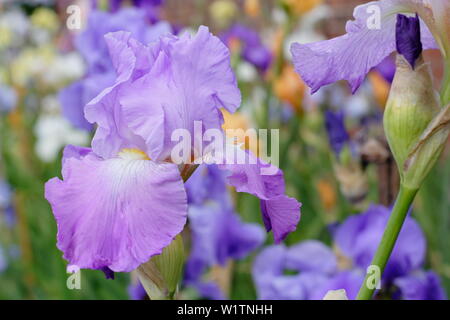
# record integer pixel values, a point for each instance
(162, 273)
(415, 125)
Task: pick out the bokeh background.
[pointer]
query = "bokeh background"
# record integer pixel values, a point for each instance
(332, 147)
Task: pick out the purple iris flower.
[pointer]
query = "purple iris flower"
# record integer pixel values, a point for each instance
(122, 201)
(151, 7)
(337, 133)
(358, 238)
(420, 285)
(370, 38)
(294, 273)
(253, 50)
(136, 291)
(6, 205)
(349, 280)
(218, 234)
(100, 72)
(8, 98)
(310, 269)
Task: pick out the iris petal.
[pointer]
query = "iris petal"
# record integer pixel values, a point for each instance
(109, 213)
(351, 56)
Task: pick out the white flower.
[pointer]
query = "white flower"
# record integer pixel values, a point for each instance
(336, 295)
(54, 132)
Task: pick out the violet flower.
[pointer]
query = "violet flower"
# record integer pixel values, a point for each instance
(310, 269)
(253, 50)
(122, 201)
(358, 237)
(420, 285)
(6, 203)
(337, 133)
(368, 41)
(293, 273)
(151, 7)
(100, 72)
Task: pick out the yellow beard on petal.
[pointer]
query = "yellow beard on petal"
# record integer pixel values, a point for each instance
(133, 154)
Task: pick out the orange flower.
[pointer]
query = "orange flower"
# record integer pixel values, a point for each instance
(380, 88)
(252, 8)
(237, 125)
(290, 88)
(301, 6)
(327, 194)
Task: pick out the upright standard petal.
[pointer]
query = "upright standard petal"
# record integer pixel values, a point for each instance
(193, 79)
(113, 133)
(369, 40)
(108, 212)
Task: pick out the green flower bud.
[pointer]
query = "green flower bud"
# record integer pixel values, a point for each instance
(162, 273)
(414, 122)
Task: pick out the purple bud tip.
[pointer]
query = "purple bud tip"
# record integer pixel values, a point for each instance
(109, 274)
(408, 38)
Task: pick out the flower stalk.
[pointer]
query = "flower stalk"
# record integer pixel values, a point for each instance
(445, 93)
(399, 212)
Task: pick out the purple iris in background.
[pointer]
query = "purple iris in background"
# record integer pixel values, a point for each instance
(251, 46)
(294, 273)
(136, 291)
(355, 240)
(8, 98)
(370, 38)
(6, 205)
(122, 201)
(337, 133)
(100, 72)
(218, 234)
(420, 285)
(358, 237)
(151, 7)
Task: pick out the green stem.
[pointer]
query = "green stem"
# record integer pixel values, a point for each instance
(404, 199)
(445, 93)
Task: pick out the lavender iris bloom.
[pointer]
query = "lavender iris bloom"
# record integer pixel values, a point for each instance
(370, 38)
(317, 270)
(359, 236)
(136, 291)
(253, 50)
(93, 48)
(6, 205)
(151, 7)
(122, 201)
(309, 263)
(420, 285)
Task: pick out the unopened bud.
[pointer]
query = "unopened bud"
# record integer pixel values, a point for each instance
(412, 110)
(162, 273)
